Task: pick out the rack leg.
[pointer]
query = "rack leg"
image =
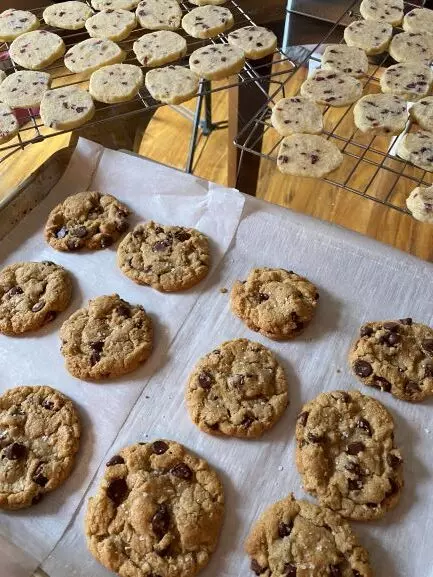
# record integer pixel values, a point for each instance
(206, 124)
(195, 128)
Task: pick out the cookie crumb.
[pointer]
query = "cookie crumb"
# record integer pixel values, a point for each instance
(223, 290)
(281, 468)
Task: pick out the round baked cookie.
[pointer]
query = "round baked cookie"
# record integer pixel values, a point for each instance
(114, 4)
(159, 14)
(9, 126)
(108, 338)
(90, 220)
(116, 83)
(13, 23)
(395, 357)
(417, 148)
(70, 15)
(25, 88)
(66, 107)
(390, 11)
(112, 24)
(411, 80)
(239, 389)
(345, 59)
(37, 49)
(159, 48)
(91, 54)
(256, 41)
(158, 511)
(172, 84)
(418, 20)
(308, 155)
(298, 538)
(167, 258)
(39, 440)
(420, 204)
(381, 114)
(217, 61)
(412, 47)
(207, 21)
(373, 37)
(346, 455)
(277, 303)
(331, 88)
(31, 295)
(297, 115)
(422, 113)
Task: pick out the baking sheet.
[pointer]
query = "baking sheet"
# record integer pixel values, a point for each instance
(151, 192)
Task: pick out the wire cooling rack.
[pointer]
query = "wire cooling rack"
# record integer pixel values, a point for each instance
(32, 129)
(371, 167)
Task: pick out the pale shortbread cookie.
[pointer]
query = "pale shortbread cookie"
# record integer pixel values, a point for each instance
(332, 88)
(420, 203)
(373, 37)
(346, 59)
(410, 80)
(422, 113)
(297, 115)
(390, 11)
(207, 21)
(308, 155)
(381, 114)
(417, 148)
(217, 61)
(116, 83)
(13, 23)
(91, 54)
(111, 24)
(114, 4)
(66, 107)
(172, 84)
(160, 47)
(419, 20)
(37, 49)
(70, 15)
(8, 123)
(24, 89)
(412, 47)
(159, 14)
(256, 41)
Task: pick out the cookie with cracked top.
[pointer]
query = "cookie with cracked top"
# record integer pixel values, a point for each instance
(39, 437)
(346, 454)
(390, 11)
(167, 258)
(239, 389)
(207, 21)
(331, 88)
(395, 357)
(373, 37)
(345, 59)
(298, 538)
(158, 511)
(108, 338)
(90, 220)
(31, 295)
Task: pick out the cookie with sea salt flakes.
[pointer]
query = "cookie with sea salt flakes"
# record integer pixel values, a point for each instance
(112, 24)
(308, 155)
(24, 89)
(70, 15)
(160, 47)
(159, 14)
(412, 47)
(207, 21)
(420, 204)
(172, 84)
(411, 80)
(422, 113)
(256, 41)
(91, 54)
(417, 148)
(418, 20)
(37, 49)
(373, 37)
(332, 88)
(345, 59)
(116, 83)
(114, 4)
(66, 108)
(8, 123)
(13, 23)
(381, 114)
(297, 115)
(217, 61)
(390, 11)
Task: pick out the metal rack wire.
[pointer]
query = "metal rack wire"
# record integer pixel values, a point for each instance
(371, 167)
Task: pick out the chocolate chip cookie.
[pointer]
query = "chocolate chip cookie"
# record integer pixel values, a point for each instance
(395, 357)
(239, 389)
(346, 454)
(88, 219)
(39, 436)
(168, 258)
(298, 538)
(275, 302)
(31, 295)
(158, 511)
(108, 338)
